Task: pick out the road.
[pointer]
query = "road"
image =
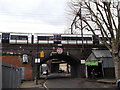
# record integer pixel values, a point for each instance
(75, 83)
(64, 81)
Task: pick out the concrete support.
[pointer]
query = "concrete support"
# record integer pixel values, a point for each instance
(77, 70)
(54, 67)
(73, 71)
(82, 71)
(36, 73)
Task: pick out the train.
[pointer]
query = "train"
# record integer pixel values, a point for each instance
(45, 38)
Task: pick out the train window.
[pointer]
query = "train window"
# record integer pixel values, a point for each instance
(64, 38)
(88, 38)
(76, 38)
(85, 38)
(80, 38)
(51, 38)
(73, 38)
(22, 37)
(105, 38)
(16, 37)
(43, 37)
(57, 37)
(69, 38)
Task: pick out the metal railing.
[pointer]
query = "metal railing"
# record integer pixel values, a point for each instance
(11, 76)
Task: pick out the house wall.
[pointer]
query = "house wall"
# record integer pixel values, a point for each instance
(108, 67)
(109, 73)
(108, 63)
(17, 61)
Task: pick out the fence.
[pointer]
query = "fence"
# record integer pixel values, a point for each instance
(11, 76)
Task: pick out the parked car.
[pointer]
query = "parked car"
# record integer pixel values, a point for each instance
(61, 71)
(118, 83)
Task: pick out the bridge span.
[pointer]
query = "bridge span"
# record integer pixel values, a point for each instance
(71, 54)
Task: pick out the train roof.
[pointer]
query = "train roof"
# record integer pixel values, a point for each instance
(59, 34)
(17, 32)
(47, 33)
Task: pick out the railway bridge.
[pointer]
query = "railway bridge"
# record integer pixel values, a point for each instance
(71, 54)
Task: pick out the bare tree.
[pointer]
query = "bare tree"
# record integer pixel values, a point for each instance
(100, 17)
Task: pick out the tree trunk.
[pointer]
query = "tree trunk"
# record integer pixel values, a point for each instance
(116, 60)
(117, 70)
(117, 66)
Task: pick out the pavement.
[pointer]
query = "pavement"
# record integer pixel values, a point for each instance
(31, 84)
(108, 81)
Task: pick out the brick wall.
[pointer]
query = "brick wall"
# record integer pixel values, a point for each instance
(17, 61)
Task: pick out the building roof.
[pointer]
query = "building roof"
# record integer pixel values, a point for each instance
(102, 53)
(91, 57)
(99, 54)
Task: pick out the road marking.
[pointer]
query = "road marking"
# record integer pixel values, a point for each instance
(44, 85)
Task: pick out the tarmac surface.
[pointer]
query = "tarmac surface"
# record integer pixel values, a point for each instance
(76, 83)
(64, 81)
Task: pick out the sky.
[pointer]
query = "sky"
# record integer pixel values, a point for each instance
(33, 16)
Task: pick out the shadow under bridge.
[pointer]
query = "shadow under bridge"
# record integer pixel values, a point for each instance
(75, 65)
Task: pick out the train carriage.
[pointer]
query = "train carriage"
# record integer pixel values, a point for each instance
(15, 38)
(43, 38)
(69, 39)
(85, 39)
(76, 39)
(20, 38)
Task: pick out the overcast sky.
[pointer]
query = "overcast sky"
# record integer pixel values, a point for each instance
(33, 16)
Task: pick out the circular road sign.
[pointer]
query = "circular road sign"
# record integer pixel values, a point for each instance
(59, 50)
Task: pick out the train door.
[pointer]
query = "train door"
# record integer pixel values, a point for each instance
(57, 39)
(5, 37)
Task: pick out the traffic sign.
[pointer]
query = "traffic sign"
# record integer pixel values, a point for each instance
(37, 60)
(42, 54)
(25, 58)
(59, 50)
